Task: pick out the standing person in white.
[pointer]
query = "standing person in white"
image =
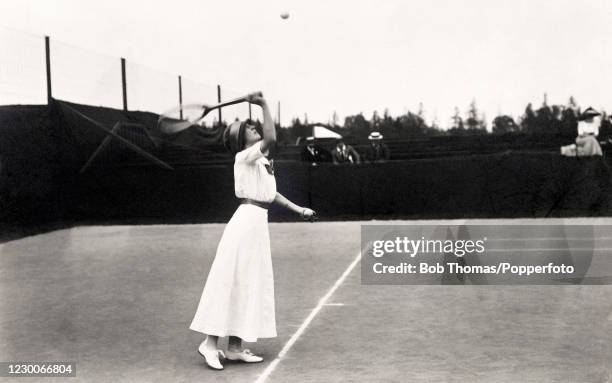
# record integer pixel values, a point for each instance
(238, 297)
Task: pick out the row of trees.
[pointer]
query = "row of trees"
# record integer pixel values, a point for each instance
(547, 119)
(553, 119)
(550, 119)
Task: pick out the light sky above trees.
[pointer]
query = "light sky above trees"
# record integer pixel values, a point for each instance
(349, 56)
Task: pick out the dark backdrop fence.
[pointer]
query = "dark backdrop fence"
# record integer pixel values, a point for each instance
(506, 185)
(43, 151)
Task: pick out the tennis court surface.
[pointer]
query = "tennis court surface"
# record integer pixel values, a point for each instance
(118, 300)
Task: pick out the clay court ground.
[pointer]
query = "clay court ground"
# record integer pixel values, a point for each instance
(118, 300)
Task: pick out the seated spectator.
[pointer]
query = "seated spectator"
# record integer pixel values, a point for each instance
(586, 143)
(378, 151)
(344, 153)
(588, 146)
(313, 153)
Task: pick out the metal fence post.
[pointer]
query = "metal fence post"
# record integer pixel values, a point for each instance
(124, 84)
(219, 101)
(48, 64)
(180, 97)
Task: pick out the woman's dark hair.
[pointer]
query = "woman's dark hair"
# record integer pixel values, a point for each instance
(240, 140)
(233, 139)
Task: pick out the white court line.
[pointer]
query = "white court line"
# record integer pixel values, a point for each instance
(266, 373)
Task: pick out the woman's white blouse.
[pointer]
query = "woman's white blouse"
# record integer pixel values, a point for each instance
(251, 178)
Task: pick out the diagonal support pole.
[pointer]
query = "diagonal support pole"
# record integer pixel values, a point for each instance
(101, 147)
(129, 144)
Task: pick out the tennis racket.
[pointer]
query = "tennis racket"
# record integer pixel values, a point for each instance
(184, 116)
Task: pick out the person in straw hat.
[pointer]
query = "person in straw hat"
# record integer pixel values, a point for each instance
(377, 151)
(238, 297)
(586, 143)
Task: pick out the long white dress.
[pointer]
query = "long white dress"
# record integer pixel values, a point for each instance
(238, 297)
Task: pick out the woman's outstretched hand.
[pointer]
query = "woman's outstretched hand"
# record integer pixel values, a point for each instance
(256, 98)
(309, 215)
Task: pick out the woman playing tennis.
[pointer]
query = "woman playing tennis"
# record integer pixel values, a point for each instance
(238, 297)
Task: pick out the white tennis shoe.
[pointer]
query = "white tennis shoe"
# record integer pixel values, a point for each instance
(245, 355)
(211, 356)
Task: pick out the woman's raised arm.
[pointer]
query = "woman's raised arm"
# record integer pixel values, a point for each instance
(269, 131)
